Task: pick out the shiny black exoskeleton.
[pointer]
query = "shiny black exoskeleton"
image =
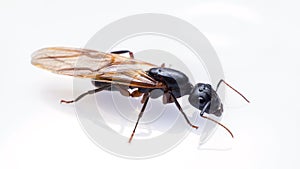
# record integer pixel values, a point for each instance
(176, 81)
(178, 85)
(201, 95)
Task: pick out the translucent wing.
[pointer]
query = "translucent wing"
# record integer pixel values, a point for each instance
(104, 67)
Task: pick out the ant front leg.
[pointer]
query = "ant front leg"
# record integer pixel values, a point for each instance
(182, 112)
(122, 52)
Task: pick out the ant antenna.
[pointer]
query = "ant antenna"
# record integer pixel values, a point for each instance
(232, 89)
(218, 124)
(203, 111)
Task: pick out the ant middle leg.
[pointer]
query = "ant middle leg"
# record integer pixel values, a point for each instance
(146, 96)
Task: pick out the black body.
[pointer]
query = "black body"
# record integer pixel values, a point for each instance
(178, 85)
(177, 82)
(202, 94)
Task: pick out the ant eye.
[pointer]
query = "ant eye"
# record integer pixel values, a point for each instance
(202, 88)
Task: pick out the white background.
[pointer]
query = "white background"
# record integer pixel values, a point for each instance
(257, 43)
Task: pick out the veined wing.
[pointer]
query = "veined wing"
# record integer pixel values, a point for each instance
(104, 67)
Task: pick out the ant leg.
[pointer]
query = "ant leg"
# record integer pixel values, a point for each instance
(144, 98)
(84, 94)
(124, 51)
(182, 112)
(231, 88)
(140, 115)
(167, 98)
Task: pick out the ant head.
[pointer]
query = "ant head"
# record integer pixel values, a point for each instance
(206, 99)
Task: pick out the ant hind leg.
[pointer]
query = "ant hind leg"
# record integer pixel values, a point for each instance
(84, 94)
